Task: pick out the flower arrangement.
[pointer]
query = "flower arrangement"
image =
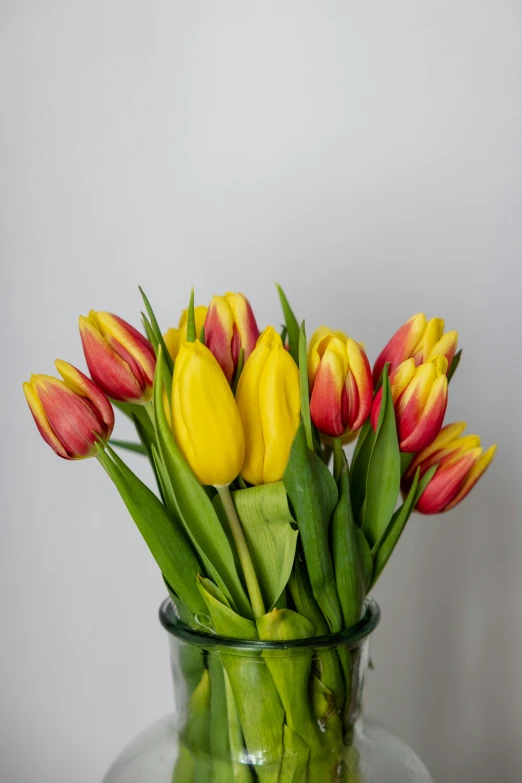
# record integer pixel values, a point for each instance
(255, 536)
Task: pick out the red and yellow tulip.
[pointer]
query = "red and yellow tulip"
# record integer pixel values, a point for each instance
(420, 397)
(341, 382)
(230, 326)
(69, 414)
(269, 404)
(175, 336)
(419, 340)
(460, 461)
(120, 359)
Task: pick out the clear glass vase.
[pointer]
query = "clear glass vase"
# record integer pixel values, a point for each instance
(273, 712)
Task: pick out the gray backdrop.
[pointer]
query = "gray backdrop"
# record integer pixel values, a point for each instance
(367, 156)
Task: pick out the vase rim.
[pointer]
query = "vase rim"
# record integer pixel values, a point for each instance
(349, 637)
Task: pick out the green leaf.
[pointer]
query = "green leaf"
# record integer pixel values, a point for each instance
(359, 469)
(157, 332)
(269, 531)
(167, 543)
(394, 530)
(313, 494)
(242, 773)
(346, 556)
(327, 662)
(129, 445)
(255, 694)
(226, 621)
(150, 332)
(195, 737)
(222, 769)
(424, 481)
(304, 387)
(366, 558)
(290, 670)
(292, 325)
(303, 598)
(384, 471)
(213, 590)
(295, 757)
(196, 511)
(454, 364)
(191, 321)
(406, 460)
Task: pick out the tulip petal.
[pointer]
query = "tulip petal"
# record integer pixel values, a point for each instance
(446, 483)
(401, 346)
(318, 344)
(399, 380)
(473, 476)
(119, 333)
(108, 370)
(429, 420)
(280, 408)
(245, 322)
(41, 422)
(446, 436)
(205, 418)
(446, 346)
(329, 400)
(219, 332)
(72, 420)
(359, 385)
(432, 334)
(82, 385)
(248, 403)
(172, 338)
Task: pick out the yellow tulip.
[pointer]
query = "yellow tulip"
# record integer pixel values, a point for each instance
(269, 404)
(205, 418)
(174, 337)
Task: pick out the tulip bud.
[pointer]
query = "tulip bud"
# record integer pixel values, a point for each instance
(229, 326)
(268, 399)
(174, 337)
(460, 463)
(69, 414)
(420, 397)
(205, 418)
(120, 359)
(417, 339)
(341, 382)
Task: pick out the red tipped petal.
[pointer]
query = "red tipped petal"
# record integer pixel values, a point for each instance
(40, 419)
(108, 370)
(245, 323)
(476, 472)
(121, 334)
(72, 420)
(445, 485)
(359, 386)
(417, 429)
(401, 346)
(328, 401)
(219, 333)
(82, 385)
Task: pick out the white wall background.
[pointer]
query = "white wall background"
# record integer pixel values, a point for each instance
(367, 156)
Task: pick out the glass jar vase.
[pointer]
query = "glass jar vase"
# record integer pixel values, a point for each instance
(273, 712)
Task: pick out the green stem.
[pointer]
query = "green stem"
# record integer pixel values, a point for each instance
(338, 457)
(242, 549)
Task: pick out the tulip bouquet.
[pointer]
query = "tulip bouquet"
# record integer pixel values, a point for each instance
(256, 537)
